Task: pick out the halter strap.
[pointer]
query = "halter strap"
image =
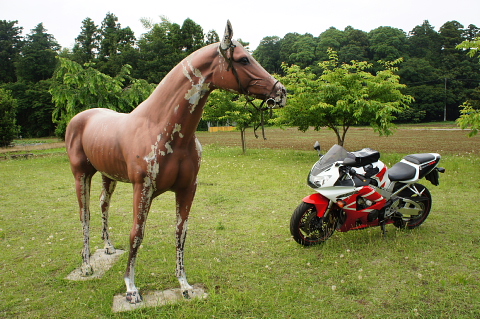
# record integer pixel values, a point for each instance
(244, 91)
(232, 47)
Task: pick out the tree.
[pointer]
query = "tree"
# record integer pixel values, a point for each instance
(34, 67)
(342, 96)
(116, 46)
(471, 32)
(424, 42)
(192, 36)
(420, 71)
(229, 107)
(470, 115)
(34, 107)
(268, 54)
(114, 38)
(160, 49)
(470, 109)
(8, 128)
(425, 83)
(286, 49)
(37, 60)
(304, 50)
(212, 37)
(10, 44)
(471, 46)
(451, 33)
(387, 43)
(87, 43)
(459, 70)
(356, 46)
(331, 38)
(76, 88)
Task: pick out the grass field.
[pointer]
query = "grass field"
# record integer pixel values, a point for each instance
(239, 246)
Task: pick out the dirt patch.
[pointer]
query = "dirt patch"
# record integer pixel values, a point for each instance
(31, 147)
(411, 140)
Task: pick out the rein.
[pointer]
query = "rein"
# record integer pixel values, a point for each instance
(244, 91)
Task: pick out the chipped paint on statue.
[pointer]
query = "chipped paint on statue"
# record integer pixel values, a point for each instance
(154, 147)
(108, 187)
(199, 89)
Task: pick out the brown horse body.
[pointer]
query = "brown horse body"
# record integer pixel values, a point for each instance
(154, 147)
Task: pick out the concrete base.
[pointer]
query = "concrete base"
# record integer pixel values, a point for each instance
(156, 298)
(100, 262)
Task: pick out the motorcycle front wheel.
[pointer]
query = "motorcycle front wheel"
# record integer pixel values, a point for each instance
(308, 229)
(421, 195)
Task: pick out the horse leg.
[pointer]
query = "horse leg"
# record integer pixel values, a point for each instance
(82, 184)
(108, 187)
(263, 126)
(255, 128)
(184, 203)
(141, 205)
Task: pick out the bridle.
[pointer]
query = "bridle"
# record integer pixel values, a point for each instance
(244, 91)
(241, 89)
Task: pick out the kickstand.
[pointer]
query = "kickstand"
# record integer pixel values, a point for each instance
(384, 229)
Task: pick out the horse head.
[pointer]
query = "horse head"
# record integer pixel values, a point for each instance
(241, 73)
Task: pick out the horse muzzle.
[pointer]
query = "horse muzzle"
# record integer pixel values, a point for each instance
(279, 99)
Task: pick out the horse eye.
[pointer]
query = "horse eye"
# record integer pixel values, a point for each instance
(244, 61)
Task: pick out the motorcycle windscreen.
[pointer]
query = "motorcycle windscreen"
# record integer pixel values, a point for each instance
(335, 154)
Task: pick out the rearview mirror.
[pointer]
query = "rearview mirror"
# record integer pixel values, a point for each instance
(316, 146)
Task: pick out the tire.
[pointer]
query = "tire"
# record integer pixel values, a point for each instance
(425, 204)
(308, 229)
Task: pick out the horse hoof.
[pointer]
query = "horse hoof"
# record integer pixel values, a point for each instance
(134, 297)
(86, 270)
(110, 250)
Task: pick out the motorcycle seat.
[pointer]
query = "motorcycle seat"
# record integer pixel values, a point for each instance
(401, 172)
(419, 159)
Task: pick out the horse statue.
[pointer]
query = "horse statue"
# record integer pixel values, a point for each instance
(155, 148)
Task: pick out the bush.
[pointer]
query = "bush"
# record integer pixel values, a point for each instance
(8, 109)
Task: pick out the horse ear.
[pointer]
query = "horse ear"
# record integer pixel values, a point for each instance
(227, 37)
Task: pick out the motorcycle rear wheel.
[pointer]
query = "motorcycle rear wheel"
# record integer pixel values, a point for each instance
(308, 229)
(425, 203)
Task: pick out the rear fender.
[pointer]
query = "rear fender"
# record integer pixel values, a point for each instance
(321, 203)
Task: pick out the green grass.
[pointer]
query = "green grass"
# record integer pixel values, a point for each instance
(29, 141)
(239, 246)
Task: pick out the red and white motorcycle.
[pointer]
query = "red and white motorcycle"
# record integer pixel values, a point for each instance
(355, 190)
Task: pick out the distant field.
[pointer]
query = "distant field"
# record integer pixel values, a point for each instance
(446, 139)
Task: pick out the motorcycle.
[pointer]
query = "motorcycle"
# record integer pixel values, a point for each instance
(355, 190)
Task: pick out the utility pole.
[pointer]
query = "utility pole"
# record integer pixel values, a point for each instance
(445, 107)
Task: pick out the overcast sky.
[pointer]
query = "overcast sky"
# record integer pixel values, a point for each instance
(252, 20)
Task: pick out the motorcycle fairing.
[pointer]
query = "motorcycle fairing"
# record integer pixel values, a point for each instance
(356, 217)
(321, 203)
(355, 181)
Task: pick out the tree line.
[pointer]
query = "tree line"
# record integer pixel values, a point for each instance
(436, 74)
